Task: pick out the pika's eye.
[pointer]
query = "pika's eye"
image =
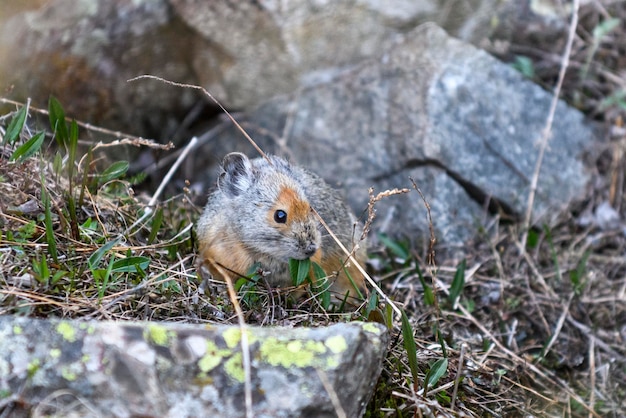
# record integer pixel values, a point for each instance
(280, 216)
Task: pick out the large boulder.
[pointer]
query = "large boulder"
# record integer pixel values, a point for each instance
(463, 125)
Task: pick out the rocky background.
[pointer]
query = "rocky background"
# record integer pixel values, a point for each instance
(350, 89)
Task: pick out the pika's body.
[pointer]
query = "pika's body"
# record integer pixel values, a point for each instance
(261, 212)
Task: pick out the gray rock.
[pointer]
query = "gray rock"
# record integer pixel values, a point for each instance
(278, 47)
(122, 369)
(83, 52)
(462, 124)
(244, 52)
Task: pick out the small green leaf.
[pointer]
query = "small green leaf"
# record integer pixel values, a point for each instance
(95, 258)
(29, 147)
(605, 28)
(56, 115)
(524, 65)
(409, 345)
(532, 239)
(302, 268)
(114, 171)
(372, 303)
(133, 264)
(396, 248)
(437, 370)
(15, 126)
(458, 282)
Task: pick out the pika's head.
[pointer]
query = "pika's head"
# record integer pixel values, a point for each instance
(270, 211)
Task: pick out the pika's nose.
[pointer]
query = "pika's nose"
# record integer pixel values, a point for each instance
(310, 249)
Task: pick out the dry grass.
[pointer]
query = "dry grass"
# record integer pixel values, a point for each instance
(538, 328)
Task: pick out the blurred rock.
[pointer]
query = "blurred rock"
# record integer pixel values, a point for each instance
(83, 52)
(122, 369)
(465, 126)
(243, 52)
(280, 46)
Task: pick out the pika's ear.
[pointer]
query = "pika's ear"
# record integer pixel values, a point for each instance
(238, 174)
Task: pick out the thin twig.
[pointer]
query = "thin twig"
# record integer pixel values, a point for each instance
(164, 182)
(459, 372)
(545, 136)
(592, 373)
(245, 346)
(358, 266)
(559, 326)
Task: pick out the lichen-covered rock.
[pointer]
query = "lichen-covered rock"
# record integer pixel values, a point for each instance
(124, 369)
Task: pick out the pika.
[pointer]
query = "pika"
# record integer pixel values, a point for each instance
(261, 212)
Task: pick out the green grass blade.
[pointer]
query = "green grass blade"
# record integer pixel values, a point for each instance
(50, 238)
(322, 284)
(157, 221)
(456, 288)
(73, 148)
(28, 148)
(133, 264)
(15, 126)
(429, 296)
(409, 346)
(56, 115)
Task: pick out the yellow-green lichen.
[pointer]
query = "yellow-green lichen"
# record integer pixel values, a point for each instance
(55, 353)
(371, 327)
(85, 358)
(17, 330)
(33, 367)
(234, 368)
(68, 374)
(232, 337)
(158, 334)
(337, 344)
(291, 353)
(213, 357)
(67, 331)
(88, 327)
